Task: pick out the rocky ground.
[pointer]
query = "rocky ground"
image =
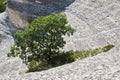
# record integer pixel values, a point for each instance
(96, 21)
(9, 67)
(105, 66)
(97, 24)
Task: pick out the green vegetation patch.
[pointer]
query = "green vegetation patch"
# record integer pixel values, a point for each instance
(41, 40)
(91, 52)
(2, 5)
(67, 57)
(39, 44)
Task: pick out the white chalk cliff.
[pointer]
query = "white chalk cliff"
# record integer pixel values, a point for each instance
(97, 23)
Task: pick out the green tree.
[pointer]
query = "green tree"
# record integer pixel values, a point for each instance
(42, 39)
(2, 5)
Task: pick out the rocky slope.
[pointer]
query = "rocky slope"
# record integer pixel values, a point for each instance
(105, 66)
(96, 21)
(8, 66)
(97, 24)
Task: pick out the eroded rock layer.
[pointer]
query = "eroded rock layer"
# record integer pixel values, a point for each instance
(96, 21)
(26, 10)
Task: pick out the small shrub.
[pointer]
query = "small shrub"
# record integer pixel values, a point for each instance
(38, 66)
(2, 5)
(107, 48)
(61, 59)
(91, 52)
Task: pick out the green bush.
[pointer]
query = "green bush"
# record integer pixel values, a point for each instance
(38, 66)
(107, 48)
(38, 45)
(61, 59)
(41, 40)
(86, 53)
(91, 52)
(2, 5)
(69, 57)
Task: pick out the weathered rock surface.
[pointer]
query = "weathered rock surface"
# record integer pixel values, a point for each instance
(9, 67)
(97, 24)
(26, 10)
(105, 66)
(6, 40)
(96, 21)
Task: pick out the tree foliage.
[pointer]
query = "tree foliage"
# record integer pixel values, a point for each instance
(42, 39)
(2, 5)
(38, 45)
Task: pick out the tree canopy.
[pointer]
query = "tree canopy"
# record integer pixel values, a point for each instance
(2, 5)
(42, 39)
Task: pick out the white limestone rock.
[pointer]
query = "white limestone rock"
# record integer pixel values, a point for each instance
(97, 24)
(105, 66)
(8, 66)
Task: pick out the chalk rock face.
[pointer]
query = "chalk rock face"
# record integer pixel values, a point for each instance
(96, 23)
(21, 12)
(8, 66)
(6, 39)
(105, 66)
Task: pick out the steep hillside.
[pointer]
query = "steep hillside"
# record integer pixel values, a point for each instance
(105, 66)
(8, 66)
(96, 21)
(97, 24)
